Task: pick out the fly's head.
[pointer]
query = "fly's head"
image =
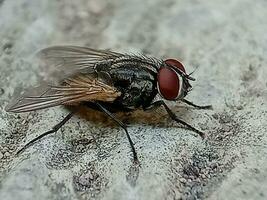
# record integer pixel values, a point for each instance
(173, 81)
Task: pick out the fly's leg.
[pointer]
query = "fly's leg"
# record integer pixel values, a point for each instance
(196, 106)
(108, 113)
(174, 117)
(53, 130)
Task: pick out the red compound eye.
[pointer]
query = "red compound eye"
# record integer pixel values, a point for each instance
(175, 63)
(168, 83)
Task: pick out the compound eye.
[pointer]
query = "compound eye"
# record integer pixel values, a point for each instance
(168, 83)
(175, 63)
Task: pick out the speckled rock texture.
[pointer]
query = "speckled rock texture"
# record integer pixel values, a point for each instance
(90, 158)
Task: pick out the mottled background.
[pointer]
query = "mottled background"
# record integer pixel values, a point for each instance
(90, 158)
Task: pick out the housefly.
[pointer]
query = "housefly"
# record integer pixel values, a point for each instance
(109, 82)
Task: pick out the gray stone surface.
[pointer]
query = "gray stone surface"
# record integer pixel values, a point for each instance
(90, 158)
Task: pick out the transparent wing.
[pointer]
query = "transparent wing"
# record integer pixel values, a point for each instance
(58, 62)
(68, 77)
(72, 91)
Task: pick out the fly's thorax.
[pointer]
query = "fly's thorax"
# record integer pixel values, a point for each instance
(125, 73)
(139, 93)
(136, 84)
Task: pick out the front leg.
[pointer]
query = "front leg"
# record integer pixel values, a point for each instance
(196, 106)
(173, 116)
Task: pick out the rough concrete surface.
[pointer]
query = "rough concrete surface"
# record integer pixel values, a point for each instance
(90, 158)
